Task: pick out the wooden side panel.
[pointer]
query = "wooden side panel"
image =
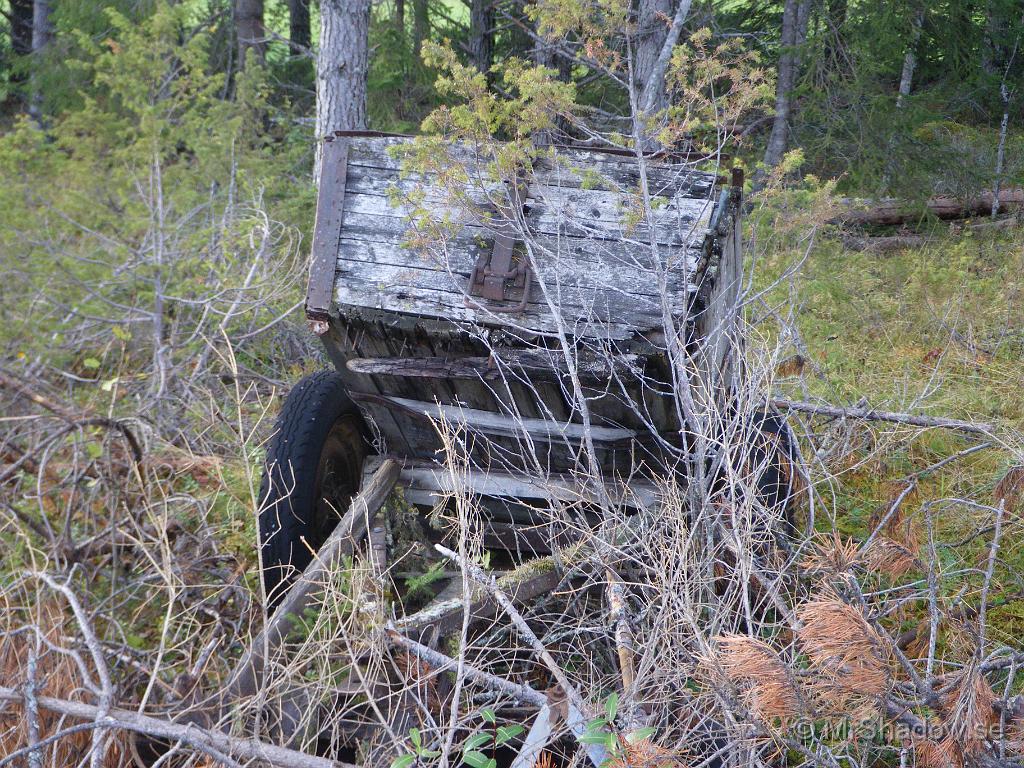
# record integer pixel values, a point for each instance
(717, 326)
(330, 207)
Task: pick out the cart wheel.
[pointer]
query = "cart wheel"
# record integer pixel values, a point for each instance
(313, 468)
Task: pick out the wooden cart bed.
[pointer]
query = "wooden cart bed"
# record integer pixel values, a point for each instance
(401, 320)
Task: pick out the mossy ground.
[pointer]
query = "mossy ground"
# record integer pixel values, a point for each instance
(937, 330)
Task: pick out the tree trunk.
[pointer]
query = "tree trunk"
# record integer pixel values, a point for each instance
(910, 59)
(1001, 148)
(249, 29)
(481, 34)
(794, 14)
(400, 16)
(341, 68)
(42, 32)
(298, 24)
(652, 29)
(420, 25)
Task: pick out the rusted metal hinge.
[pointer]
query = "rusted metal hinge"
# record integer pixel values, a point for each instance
(499, 274)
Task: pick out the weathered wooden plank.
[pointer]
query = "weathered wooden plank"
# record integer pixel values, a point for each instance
(523, 585)
(608, 308)
(558, 269)
(567, 165)
(383, 240)
(412, 299)
(533, 362)
(612, 206)
(606, 297)
(327, 229)
(567, 489)
(492, 423)
(680, 223)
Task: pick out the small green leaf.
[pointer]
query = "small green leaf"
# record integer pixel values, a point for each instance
(414, 737)
(611, 706)
(475, 759)
(403, 761)
(596, 724)
(429, 753)
(476, 741)
(488, 715)
(93, 450)
(592, 738)
(492, 763)
(91, 362)
(641, 734)
(508, 732)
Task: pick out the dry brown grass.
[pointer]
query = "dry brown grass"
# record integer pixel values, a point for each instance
(56, 676)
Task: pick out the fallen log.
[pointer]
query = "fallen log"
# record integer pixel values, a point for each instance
(893, 211)
(887, 243)
(212, 743)
(870, 414)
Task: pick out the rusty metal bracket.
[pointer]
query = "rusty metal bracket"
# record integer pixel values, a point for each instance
(495, 275)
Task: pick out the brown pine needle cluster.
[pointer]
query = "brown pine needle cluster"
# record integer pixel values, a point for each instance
(891, 558)
(970, 717)
(831, 555)
(1010, 488)
(646, 754)
(766, 684)
(852, 660)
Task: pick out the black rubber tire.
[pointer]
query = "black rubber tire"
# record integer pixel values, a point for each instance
(774, 450)
(313, 468)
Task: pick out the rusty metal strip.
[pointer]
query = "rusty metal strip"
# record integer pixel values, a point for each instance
(330, 209)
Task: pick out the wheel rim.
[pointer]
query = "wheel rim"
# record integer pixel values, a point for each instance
(338, 476)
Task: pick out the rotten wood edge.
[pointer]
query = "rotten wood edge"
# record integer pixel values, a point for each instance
(330, 210)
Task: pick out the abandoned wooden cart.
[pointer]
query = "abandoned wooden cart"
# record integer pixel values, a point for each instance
(506, 324)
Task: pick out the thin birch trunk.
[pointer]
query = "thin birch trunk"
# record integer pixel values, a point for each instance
(910, 59)
(42, 32)
(794, 19)
(1001, 150)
